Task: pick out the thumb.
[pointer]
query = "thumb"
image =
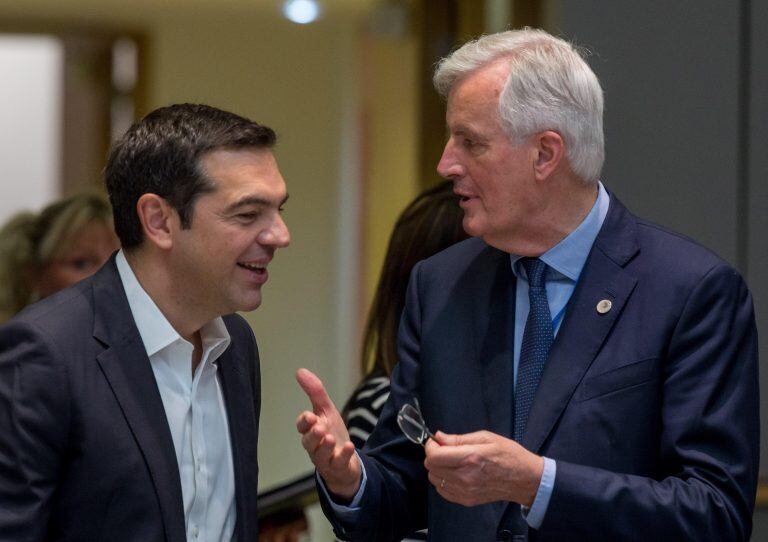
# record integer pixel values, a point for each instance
(315, 390)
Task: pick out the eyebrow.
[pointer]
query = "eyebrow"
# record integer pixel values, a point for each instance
(252, 200)
(466, 131)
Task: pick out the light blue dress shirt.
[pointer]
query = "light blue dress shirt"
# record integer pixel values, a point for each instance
(565, 261)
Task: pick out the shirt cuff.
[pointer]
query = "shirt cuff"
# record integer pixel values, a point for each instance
(534, 516)
(350, 511)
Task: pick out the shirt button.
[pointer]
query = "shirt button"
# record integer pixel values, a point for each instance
(195, 532)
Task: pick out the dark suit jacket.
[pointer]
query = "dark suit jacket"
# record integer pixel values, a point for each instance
(650, 410)
(85, 449)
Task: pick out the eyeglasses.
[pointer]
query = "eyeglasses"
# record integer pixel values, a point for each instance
(412, 424)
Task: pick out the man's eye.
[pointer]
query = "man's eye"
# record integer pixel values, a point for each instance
(246, 217)
(468, 143)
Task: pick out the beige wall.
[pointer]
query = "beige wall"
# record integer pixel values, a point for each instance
(390, 88)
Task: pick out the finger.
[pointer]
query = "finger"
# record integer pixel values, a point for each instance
(444, 486)
(315, 390)
(445, 439)
(430, 446)
(314, 437)
(453, 457)
(310, 442)
(441, 474)
(324, 453)
(478, 437)
(342, 456)
(319, 432)
(305, 421)
(452, 490)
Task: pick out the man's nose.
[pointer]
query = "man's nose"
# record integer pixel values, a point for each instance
(277, 235)
(449, 167)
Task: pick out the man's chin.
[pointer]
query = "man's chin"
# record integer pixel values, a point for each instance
(248, 304)
(472, 228)
(250, 308)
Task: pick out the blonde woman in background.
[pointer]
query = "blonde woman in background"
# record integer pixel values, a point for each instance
(42, 253)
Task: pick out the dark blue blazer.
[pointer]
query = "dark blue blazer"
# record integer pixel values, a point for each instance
(85, 450)
(650, 410)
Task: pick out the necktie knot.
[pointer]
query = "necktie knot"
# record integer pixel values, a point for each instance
(535, 269)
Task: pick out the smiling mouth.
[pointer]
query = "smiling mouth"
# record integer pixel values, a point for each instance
(257, 268)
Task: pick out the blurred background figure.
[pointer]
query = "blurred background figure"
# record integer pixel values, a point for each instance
(42, 253)
(430, 223)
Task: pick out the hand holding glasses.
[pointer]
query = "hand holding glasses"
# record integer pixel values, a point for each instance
(412, 424)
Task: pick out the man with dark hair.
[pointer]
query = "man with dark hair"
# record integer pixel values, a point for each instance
(129, 403)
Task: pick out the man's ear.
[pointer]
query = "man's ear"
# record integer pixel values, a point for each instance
(157, 220)
(550, 152)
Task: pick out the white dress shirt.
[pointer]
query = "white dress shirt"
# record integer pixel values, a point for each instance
(194, 407)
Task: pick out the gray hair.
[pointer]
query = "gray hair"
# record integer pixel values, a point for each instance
(550, 87)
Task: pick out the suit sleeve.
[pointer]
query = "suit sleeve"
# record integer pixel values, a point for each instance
(709, 444)
(34, 422)
(394, 502)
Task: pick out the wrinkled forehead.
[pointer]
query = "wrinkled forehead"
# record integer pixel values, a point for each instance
(483, 85)
(474, 99)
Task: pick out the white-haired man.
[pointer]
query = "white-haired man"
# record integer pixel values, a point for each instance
(592, 376)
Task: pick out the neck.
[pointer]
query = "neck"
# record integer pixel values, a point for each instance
(558, 215)
(157, 281)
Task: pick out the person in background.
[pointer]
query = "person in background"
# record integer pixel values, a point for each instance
(42, 253)
(429, 224)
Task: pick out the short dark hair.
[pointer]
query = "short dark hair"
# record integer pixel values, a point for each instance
(161, 155)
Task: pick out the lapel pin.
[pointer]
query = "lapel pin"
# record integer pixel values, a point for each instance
(604, 306)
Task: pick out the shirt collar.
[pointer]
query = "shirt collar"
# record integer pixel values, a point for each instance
(154, 328)
(567, 258)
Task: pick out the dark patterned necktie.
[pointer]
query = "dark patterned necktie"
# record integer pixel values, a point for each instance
(537, 340)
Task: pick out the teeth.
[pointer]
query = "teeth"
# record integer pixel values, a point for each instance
(254, 266)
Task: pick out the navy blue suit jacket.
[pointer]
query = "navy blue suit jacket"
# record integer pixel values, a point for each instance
(650, 410)
(85, 449)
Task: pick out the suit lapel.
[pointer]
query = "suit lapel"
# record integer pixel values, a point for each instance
(584, 329)
(126, 367)
(494, 334)
(494, 320)
(238, 399)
